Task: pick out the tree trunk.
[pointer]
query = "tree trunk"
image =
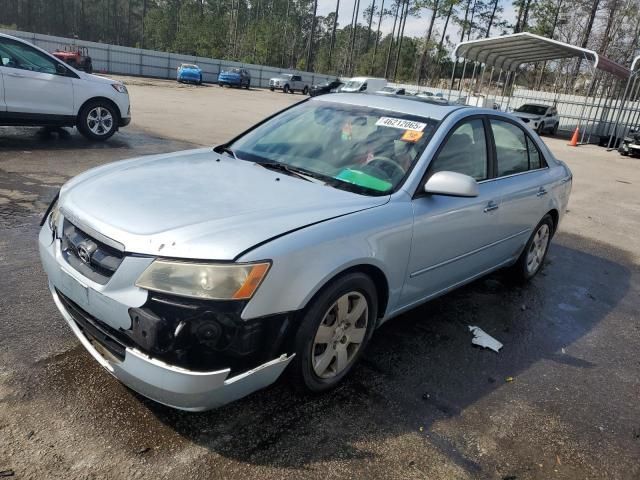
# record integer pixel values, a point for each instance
(393, 31)
(403, 21)
(373, 7)
(491, 18)
(375, 45)
(427, 39)
(333, 32)
(313, 27)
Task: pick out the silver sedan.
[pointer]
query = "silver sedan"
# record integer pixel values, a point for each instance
(198, 277)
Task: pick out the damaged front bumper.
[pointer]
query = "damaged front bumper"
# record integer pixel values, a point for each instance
(175, 386)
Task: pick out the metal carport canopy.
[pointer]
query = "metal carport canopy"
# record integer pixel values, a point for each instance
(510, 51)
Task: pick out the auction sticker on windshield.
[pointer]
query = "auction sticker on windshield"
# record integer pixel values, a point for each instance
(401, 124)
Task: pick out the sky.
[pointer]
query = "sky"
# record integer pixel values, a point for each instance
(414, 27)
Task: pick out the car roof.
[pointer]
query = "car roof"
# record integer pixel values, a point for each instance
(390, 102)
(536, 105)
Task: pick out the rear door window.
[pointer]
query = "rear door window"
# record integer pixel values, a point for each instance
(515, 151)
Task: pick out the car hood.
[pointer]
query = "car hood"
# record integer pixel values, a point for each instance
(200, 205)
(96, 78)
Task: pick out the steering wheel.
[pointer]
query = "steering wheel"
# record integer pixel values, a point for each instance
(389, 167)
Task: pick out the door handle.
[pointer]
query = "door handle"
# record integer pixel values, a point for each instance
(565, 180)
(491, 206)
(542, 191)
(19, 75)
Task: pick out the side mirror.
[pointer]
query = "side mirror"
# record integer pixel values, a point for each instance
(452, 184)
(549, 115)
(61, 69)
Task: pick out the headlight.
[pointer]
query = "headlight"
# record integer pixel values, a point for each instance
(54, 216)
(204, 280)
(120, 88)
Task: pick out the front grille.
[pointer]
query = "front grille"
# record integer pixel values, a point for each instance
(92, 258)
(93, 328)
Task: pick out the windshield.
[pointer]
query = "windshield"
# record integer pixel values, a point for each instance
(352, 85)
(188, 65)
(354, 148)
(532, 109)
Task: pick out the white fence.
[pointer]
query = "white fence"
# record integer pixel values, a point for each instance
(116, 59)
(597, 117)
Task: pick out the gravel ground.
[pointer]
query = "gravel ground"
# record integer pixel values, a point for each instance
(559, 401)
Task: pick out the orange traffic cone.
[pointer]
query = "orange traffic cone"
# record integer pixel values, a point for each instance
(574, 139)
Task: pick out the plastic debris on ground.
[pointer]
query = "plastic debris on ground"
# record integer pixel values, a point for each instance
(483, 339)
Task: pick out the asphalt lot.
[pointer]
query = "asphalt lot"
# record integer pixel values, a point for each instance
(561, 400)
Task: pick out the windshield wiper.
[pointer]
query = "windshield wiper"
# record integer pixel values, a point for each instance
(225, 149)
(293, 171)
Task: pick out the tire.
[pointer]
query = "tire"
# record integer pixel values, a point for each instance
(540, 128)
(523, 271)
(200, 80)
(554, 130)
(103, 130)
(271, 88)
(286, 89)
(305, 91)
(323, 313)
(248, 85)
(88, 67)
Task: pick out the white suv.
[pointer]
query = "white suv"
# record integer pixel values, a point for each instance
(37, 89)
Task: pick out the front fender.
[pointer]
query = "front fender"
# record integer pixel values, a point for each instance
(305, 260)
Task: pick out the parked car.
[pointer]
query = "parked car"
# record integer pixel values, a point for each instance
(188, 72)
(40, 90)
(363, 84)
(540, 118)
(391, 91)
(630, 144)
(326, 87)
(328, 219)
(289, 83)
(77, 57)
(236, 77)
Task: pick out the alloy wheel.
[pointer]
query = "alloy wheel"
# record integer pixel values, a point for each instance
(537, 249)
(340, 335)
(100, 121)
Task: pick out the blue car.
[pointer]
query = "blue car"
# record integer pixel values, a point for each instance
(188, 72)
(236, 77)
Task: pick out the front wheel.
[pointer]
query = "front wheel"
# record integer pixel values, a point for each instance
(555, 129)
(305, 91)
(200, 80)
(540, 128)
(286, 89)
(532, 257)
(97, 121)
(334, 331)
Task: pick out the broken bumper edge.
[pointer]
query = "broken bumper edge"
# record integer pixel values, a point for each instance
(174, 386)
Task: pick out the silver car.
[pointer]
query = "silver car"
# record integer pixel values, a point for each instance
(198, 277)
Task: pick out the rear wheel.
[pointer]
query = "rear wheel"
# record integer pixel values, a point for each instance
(248, 84)
(200, 80)
(554, 131)
(98, 120)
(532, 257)
(305, 91)
(334, 331)
(271, 88)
